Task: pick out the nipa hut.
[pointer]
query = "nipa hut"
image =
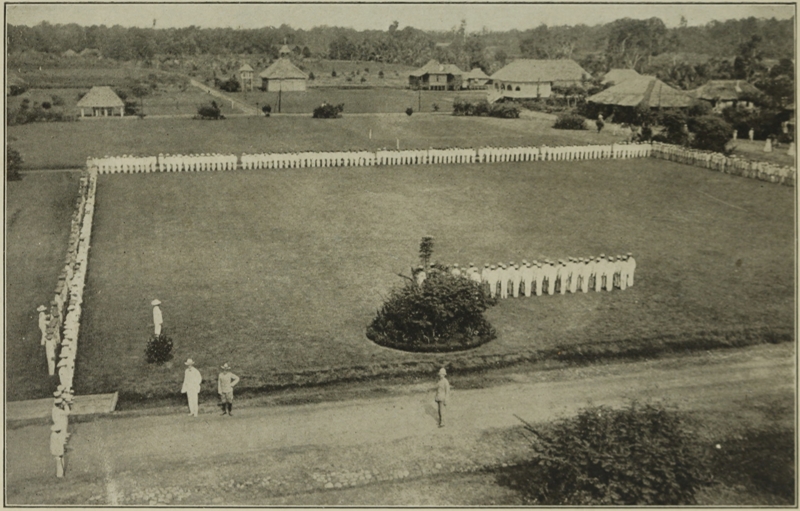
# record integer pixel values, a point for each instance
(101, 102)
(647, 91)
(282, 75)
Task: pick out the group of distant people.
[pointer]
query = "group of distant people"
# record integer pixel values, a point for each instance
(546, 277)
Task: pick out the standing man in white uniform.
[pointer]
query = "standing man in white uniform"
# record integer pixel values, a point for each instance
(158, 319)
(191, 386)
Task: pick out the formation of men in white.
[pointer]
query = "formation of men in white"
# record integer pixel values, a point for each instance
(453, 155)
(59, 327)
(735, 165)
(547, 277)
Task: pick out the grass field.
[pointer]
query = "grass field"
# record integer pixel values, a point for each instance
(754, 150)
(68, 144)
(383, 100)
(38, 211)
(278, 272)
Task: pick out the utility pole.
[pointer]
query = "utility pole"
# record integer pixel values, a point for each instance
(280, 91)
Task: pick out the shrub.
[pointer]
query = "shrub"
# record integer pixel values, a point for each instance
(640, 455)
(311, 76)
(159, 349)
(210, 112)
(16, 90)
(380, 74)
(363, 79)
(504, 110)
(13, 165)
(326, 111)
(483, 108)
(57, 100)
(570, 122)
(267, 109)
(231, 85)
(409, 111)
(47, 105)
(674, 123)
(333, 73)
(435, 107)
(710, 133)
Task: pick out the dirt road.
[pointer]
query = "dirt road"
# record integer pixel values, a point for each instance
(276, 452)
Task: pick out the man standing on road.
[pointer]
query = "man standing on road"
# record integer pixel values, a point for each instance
(191, 386)
(442, 393)
(225, 383)
(158, 320)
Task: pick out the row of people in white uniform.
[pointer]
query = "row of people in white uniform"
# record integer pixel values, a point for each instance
(735, 165)
(204, 162)
(548, 277)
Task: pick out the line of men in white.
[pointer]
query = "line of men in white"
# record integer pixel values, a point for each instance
(207, 162)
(735, 165)
(55, 321)
(547, 277)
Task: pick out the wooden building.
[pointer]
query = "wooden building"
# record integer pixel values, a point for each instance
(532, 79)
(246, 77)
(101, 102)
(436, 76)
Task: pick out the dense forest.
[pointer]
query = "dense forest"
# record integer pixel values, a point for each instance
(683, 56)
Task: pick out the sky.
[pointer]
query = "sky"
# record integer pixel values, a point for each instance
(430, 16)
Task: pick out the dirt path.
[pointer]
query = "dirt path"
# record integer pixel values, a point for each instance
(267, 453)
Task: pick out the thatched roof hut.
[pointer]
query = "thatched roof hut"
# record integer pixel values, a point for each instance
(617, 76)
(101, 102)
(282, 75)
(647, 91)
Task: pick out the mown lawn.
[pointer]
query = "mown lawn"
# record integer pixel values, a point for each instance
(67, 144)
(278, 272)
(38, 211)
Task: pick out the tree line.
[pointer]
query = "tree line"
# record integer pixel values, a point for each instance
(645, 45)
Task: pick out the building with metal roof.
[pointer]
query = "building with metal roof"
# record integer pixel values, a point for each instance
(436, 76)
(531, 79)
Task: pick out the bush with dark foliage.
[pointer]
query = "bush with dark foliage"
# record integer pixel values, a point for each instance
(231, 85)
(641, 455)
(13, 165)
(159, 349)
(710, 133)
(482, 107)
(210, 112)
(326, 111)
(409, 111)
(445, 313)
(570, 122)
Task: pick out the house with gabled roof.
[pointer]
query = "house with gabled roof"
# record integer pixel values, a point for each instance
(617, 76)
(724, 93)
(475, 79)
(282, 75)
(101, 102)
(436, 76)
(645, 91)
(532, 79)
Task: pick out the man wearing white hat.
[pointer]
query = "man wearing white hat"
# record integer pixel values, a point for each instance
(442, 393)
(158, 320)
(225, 383)
(527, 278)
(191, 386)
(60, 413)
(516, 279)
(43, 321)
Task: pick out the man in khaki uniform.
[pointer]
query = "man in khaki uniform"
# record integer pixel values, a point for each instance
(225, 383)
(442, 393)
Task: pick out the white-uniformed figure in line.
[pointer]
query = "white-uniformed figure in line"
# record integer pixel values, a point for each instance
(66, 371)
(538, 277)
(43, 321)
(494, 277)
(158, 319)
(455, 271)
(574, 274)
(631, 268)
(611, 266)
(552, 277)
(527, 277)
(503, 273)
(485, 274)
(473, 274)
(516, 280)
(420, 275)
(60, 413)
(561, 276)
(50, 351)
(58, 438)
(599, 268)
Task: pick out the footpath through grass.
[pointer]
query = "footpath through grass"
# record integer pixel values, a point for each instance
(38, 212)
(70, 143)
(279, 272)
